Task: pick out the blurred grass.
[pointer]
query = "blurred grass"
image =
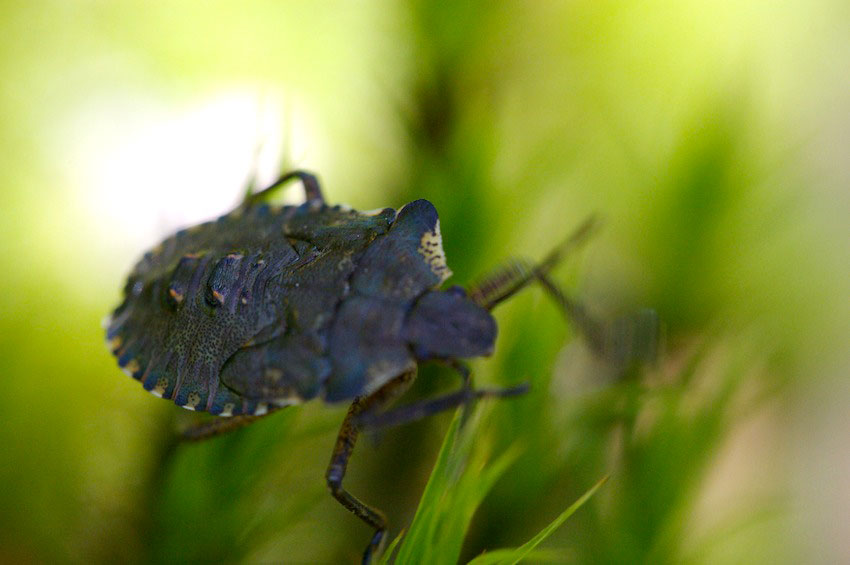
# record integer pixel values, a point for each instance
(710, 136)
(528, 550)
(459, 482)
(461, 478)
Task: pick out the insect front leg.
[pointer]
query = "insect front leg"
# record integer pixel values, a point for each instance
(462, 369)
(345, 441)
(466, 375)
(425, 408)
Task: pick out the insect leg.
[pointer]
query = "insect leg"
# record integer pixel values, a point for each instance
(466, 375)
(419, 410)
(312, 190)
(461, 368)
(218, 426)
(345, 441)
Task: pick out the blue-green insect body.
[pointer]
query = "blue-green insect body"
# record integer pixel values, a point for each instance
(271, 306)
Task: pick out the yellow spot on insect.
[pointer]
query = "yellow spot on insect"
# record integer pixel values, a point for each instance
(290, 400)
(131, 368)
(431, 248)
(192, 401)
(345, 264)
(227, 410)
(273, 375)
(262, 409)
(115, 343)
(218, 296)
(178, 298)
(159, 389)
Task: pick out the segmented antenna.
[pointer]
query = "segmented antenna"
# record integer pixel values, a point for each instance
(635, 337)
(516, 274)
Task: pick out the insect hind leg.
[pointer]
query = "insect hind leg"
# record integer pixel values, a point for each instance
(216, 427)
(312, 189)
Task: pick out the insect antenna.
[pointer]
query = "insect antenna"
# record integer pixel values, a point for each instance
(626, 339)
(516, 274)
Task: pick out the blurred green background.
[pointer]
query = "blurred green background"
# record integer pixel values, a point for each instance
(711, 137)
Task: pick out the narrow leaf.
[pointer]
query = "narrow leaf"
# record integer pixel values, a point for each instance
(525, 550)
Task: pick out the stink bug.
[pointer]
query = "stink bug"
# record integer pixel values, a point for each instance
(272, 306)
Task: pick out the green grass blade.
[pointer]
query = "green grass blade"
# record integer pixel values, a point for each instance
(525, 550)
(462, 501)
(459, 482)
(537, 555)
(388, 553)
(424, 522)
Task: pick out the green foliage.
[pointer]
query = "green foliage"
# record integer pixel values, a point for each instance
(702, 133)
(461, 478)
(221, 517)
(527, 550)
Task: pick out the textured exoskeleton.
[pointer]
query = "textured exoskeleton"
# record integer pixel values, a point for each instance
(272, 306)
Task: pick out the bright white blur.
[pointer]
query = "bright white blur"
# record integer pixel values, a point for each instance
(142, 168)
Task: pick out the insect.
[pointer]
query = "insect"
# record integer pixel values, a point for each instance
(272, 306)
